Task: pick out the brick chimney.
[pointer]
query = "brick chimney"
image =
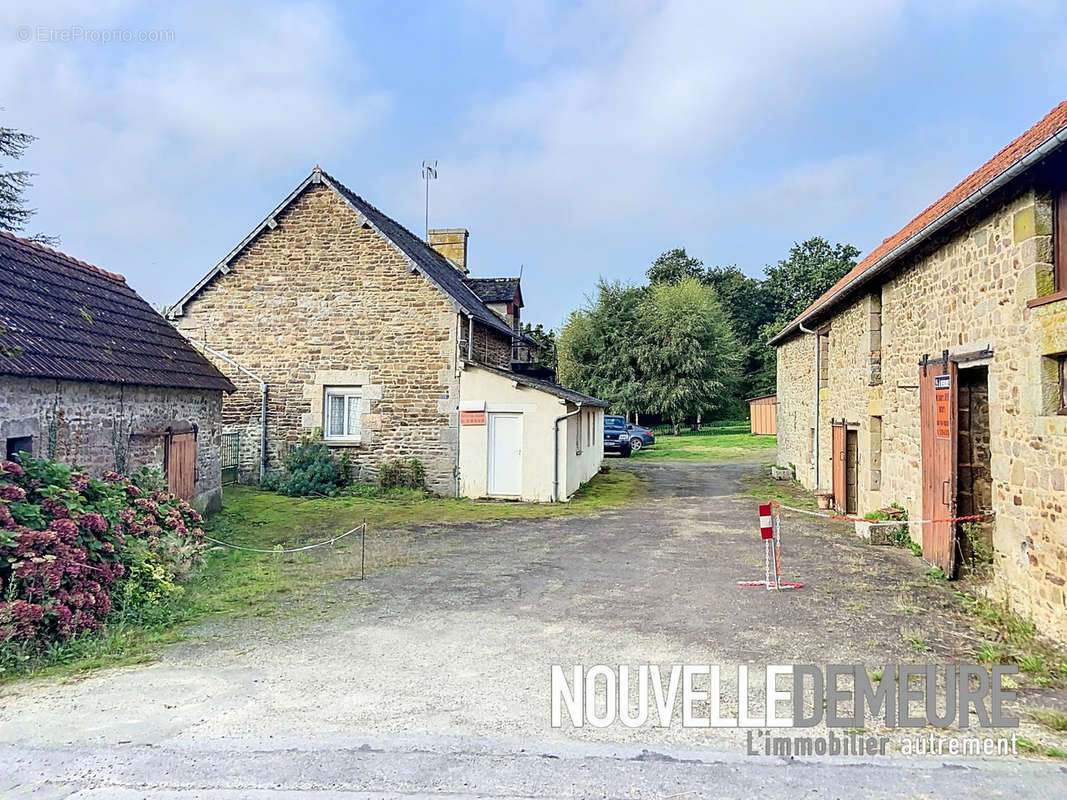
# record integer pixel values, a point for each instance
(452, 244)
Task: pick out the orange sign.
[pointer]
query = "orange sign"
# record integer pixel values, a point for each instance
(471, 417)
(943, 402)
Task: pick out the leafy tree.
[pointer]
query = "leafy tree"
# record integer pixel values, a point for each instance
(689, 356)
(597, 347)
(675, 265)
(546, 343)
(813, 266)
(13, 185)
(748, 306)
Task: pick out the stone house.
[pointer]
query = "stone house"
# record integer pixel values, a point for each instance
(92, 376)
(334, 320)
(932, 376)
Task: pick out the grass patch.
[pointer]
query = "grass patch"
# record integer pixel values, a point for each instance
(916, 639)
(238, 583)
(710, 446)
(1029, 746)
(1050, 718)
(790, 493)
(1008, 638)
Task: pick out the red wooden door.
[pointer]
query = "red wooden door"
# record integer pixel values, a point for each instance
(938, 409)
(837, 456)
(181, 465)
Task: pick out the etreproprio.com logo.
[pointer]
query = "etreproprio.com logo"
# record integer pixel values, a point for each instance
(796, 696)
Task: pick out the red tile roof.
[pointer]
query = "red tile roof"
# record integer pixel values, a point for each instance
(1054, 122)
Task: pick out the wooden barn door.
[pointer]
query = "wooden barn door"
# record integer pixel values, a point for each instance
(181, 464)
(837, 457)
(938, 412)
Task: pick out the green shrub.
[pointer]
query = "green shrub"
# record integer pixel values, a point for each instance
(402, 473)
(310, 469)
(149, 589)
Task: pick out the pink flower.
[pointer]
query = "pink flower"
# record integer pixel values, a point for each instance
(12, 493)
(12, 468)
(93, 523)
(55, 508)
(133, 491)
(7, 522)
(65, 528)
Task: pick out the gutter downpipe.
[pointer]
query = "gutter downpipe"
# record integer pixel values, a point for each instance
(555, 453)
(1046, 148)
(815, 442)
(458, 375)
(263, 404)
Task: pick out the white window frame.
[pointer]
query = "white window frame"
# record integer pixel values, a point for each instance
(352, 394)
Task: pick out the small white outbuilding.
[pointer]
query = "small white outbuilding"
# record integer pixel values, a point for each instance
(525, 438)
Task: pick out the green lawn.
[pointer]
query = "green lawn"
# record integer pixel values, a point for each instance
(234, 582)
(790, 493)
(708, 445)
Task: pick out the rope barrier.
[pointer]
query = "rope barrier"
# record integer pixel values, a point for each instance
(882, 523)
(286, 550)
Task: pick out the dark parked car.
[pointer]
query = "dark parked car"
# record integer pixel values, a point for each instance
(616, 437)
(640, 436)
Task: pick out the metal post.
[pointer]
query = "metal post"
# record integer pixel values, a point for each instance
(767, 564)
(363, 550)
(777, 549)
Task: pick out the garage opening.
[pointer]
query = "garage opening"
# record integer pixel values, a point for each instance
(974, 488)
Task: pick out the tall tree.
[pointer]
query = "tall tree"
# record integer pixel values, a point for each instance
(749, 307)
(597, 347)
(675, 265)
(812, 267)
(14, 213)
(688, 355)
(546, 340)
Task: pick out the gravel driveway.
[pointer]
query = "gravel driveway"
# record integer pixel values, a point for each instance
(433, 678)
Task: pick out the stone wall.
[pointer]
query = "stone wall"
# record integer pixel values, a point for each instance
(321, 300)
(969, 292)
(101, 426)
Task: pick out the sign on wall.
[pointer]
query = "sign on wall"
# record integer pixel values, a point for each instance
(471, 417)
(942, 404)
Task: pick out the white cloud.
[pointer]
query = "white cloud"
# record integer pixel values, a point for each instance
(128, 130)
(693, 79)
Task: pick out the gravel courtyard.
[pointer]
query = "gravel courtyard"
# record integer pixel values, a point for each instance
(433, 678)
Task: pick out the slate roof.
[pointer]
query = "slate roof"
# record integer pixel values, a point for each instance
(63, 318)
(1052, 126)
(437, 269)
(432, 264)
(545, 386)
(494, 290)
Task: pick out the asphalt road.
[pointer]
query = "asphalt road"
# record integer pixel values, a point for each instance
(432, 679)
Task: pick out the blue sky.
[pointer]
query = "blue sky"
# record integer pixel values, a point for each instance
(576, 139)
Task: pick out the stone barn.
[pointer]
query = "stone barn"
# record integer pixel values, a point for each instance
(932, 376)
(91, 375)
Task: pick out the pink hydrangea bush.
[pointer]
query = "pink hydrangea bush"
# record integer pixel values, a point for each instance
(72, 548)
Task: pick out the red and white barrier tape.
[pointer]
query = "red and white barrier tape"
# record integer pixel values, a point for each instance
(881, 523)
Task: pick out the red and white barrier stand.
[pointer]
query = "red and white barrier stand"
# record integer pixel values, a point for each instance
(770, 533)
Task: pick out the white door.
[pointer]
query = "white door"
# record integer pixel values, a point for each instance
(505, 455)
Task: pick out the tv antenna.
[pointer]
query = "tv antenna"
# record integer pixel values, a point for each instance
(429, 173)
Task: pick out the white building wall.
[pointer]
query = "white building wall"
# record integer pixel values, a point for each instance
(493, 392)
